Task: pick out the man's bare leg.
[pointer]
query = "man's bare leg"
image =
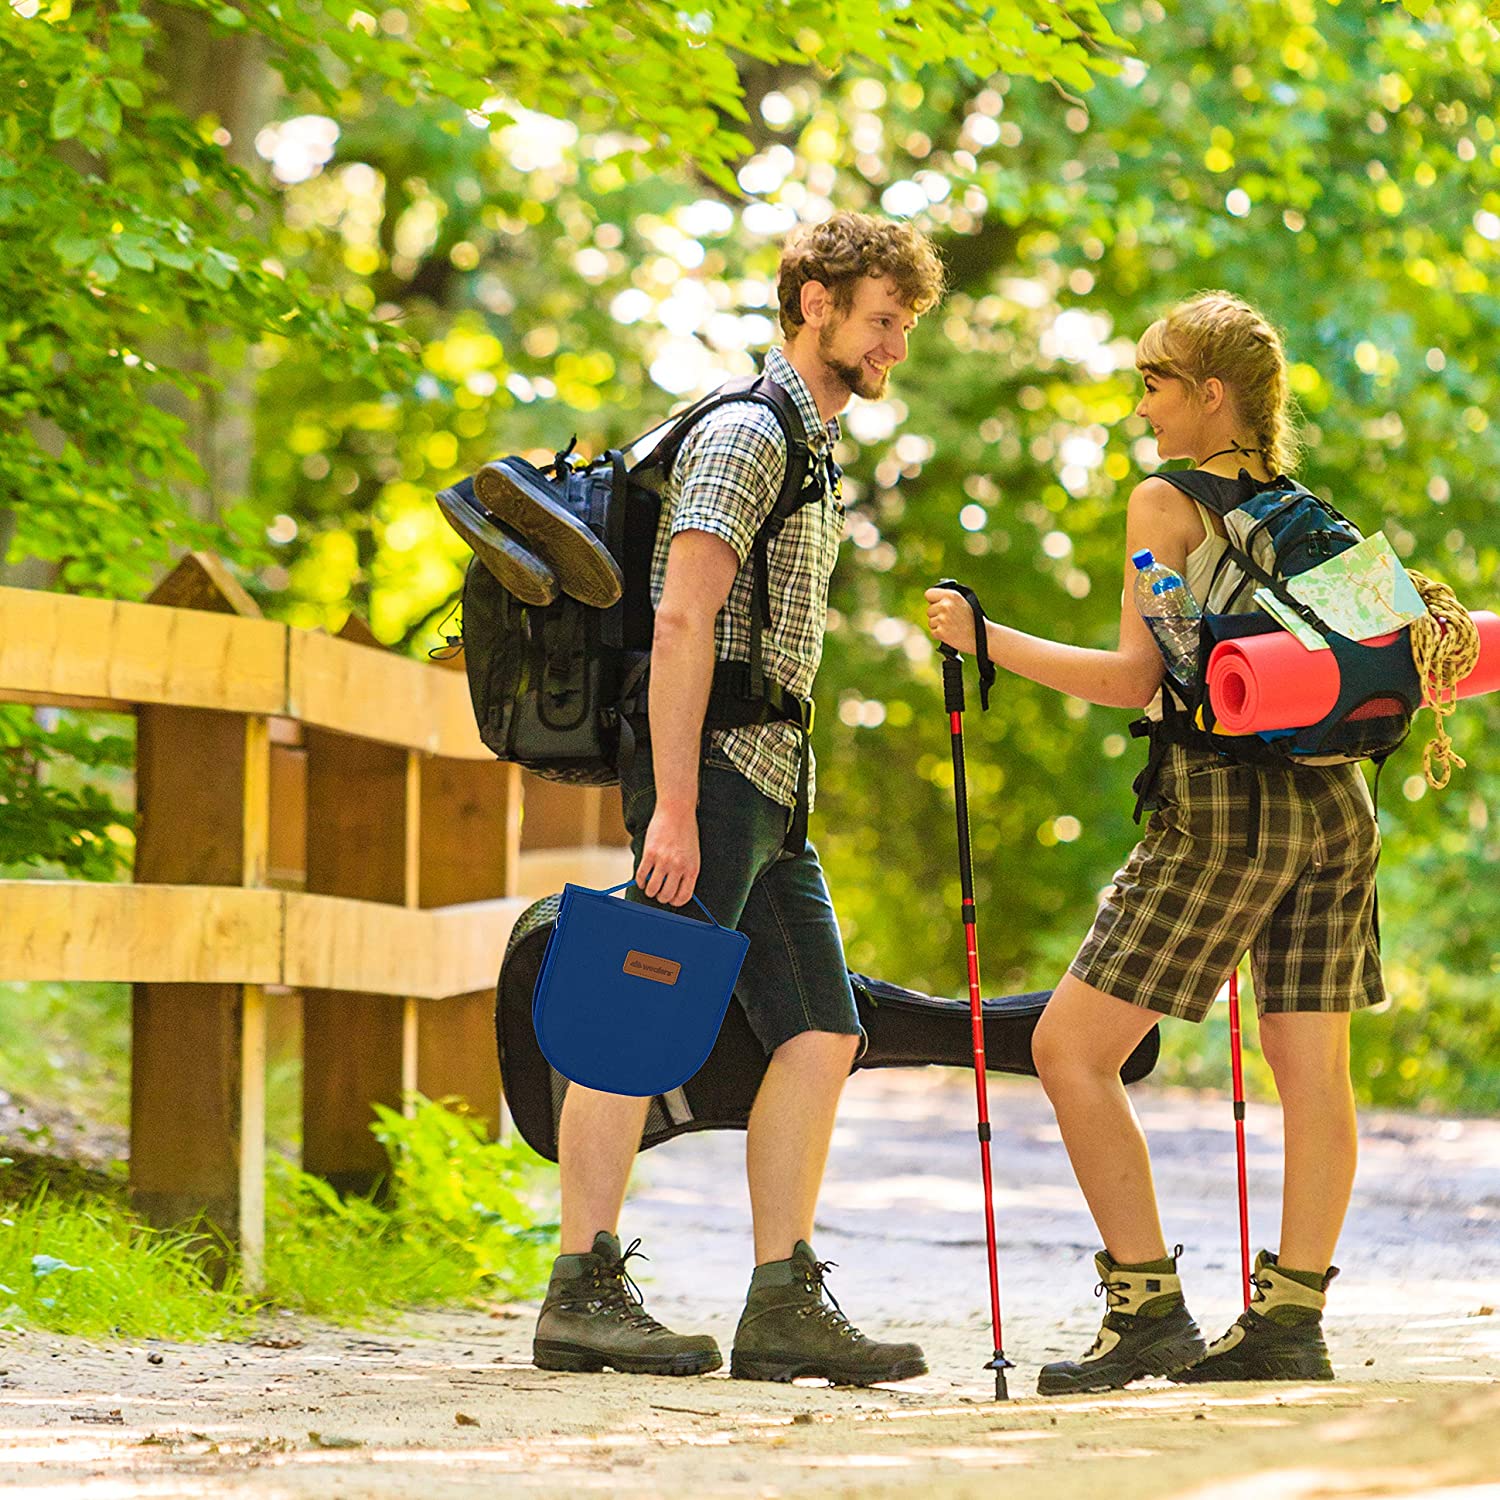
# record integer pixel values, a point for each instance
(786, 1147)
(597, 1141)
(778, 1337)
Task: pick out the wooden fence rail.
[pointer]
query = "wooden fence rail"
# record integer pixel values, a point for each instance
(317, 821)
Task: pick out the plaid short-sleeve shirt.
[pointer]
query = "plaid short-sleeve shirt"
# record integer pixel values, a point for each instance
(725, 481)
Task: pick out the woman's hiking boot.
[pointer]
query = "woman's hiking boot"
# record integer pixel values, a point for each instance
(592, 1317)
(1279, 1336)
(1147, 1330)
(788, 1330)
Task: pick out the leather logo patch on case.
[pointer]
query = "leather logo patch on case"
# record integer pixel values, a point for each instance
(645, 966)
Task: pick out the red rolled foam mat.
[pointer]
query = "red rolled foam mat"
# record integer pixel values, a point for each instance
(1264, 682)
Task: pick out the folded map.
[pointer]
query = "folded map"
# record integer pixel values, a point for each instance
(1362, 592)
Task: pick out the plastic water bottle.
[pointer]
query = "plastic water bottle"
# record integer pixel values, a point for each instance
(1171, 614)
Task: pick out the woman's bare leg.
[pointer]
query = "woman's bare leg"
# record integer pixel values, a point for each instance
(1309, 1054)
(1081, 1042)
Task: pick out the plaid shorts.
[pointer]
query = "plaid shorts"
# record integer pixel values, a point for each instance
(1193, 896)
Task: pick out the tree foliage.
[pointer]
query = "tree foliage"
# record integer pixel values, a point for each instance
(67, 820)
(487, 228)
(130, 225)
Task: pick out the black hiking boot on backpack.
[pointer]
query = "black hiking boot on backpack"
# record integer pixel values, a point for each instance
(1146, 1331)
(523, 499)
(592, 1317)
(1278, 1337)
(512, 565)
(788, 1330)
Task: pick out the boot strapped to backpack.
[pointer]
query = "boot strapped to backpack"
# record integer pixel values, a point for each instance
(561, 688)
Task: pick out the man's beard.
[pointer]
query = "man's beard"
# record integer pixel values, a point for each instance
(857, 379)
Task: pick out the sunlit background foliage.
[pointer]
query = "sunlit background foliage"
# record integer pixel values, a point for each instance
(437, 238)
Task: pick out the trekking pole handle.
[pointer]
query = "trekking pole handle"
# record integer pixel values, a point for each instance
(953, 680)
(952, 696)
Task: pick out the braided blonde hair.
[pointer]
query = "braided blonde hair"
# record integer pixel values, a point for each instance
(1219, 335)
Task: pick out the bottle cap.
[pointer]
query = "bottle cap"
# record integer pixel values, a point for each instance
(1142, 559)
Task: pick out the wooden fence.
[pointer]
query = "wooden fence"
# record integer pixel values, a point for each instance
(316, 817)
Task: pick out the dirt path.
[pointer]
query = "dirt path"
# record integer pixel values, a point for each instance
(447, 1405)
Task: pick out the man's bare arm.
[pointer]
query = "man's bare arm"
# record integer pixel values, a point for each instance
(701, 570)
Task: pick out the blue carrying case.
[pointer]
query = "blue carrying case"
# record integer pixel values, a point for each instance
(630, 998)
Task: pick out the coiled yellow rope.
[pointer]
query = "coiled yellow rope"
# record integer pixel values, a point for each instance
(1445, 649)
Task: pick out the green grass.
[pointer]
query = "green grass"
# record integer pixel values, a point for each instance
(86, 1266)
(466, 1220)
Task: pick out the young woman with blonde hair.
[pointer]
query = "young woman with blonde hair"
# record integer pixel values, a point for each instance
(1195, 894)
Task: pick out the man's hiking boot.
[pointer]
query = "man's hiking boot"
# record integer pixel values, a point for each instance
(592, 1317)
(1146, 1331)
(1279, 1336)
(522, 499)
(788, 1329)
(512, 565)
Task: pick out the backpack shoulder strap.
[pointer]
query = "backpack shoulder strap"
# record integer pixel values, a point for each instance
(798, 486)
(757, 390)
(1212, 491)
(795, 490)
(1220, 494)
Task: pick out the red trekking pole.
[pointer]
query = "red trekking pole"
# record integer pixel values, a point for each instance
(953, 701)
(1237, 1073)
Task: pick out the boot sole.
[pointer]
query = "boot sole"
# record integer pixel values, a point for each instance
(584, 568)
(769, 1367)
(578, 1359)
(526, 577)
(1166, 1358)
(1271, 1369)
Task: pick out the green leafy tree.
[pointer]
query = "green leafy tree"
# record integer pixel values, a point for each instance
(537, 222)
(1335, 164)
(68, 821)
(132, 224)
(137, 284)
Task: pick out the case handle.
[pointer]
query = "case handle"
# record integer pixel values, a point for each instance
(626, 884)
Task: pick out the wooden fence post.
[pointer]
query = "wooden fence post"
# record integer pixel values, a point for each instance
(418, 831)
(470, 851)
(559, 816)
(357, 1050)
(197, 1092)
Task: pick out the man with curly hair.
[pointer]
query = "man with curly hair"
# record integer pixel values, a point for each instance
(850, 291)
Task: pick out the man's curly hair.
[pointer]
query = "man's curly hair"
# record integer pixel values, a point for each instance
(843, 250)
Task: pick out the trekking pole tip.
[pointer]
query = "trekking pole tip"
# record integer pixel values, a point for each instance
(1000, 1364)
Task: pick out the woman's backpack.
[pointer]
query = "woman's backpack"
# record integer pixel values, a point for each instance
(1277, 530)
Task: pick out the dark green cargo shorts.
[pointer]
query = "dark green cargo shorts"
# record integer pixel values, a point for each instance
(794, 978)
(1192, 897)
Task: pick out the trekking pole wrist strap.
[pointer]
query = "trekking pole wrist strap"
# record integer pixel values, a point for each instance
(981, 641)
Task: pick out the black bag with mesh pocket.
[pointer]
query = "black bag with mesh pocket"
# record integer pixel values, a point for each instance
(903, 1028)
